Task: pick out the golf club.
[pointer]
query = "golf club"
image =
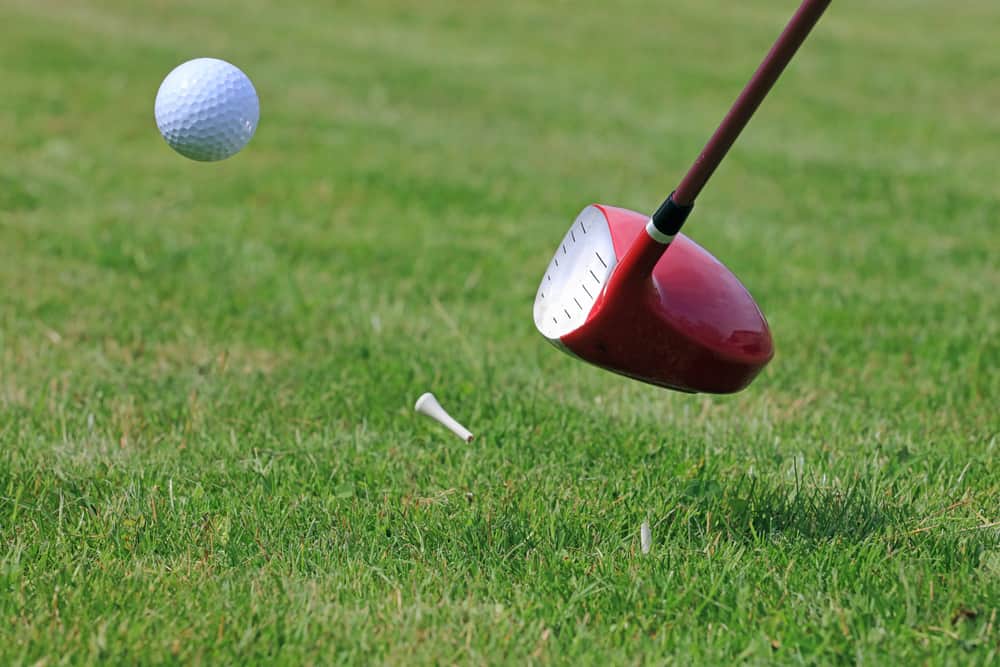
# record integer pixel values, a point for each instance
(629, 293)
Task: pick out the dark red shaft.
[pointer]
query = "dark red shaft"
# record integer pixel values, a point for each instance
(748, 101)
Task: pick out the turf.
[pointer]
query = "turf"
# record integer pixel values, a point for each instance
(207, 447)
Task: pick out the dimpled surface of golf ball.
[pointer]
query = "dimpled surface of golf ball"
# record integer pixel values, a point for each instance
(207, 109)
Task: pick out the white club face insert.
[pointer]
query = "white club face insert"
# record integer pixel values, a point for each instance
(576, 275)
(428, 405)
(207, 109)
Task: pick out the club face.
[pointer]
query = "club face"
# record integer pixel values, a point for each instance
(576, 275)
(690, 325)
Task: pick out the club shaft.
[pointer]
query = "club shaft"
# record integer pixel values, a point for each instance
(746, 104)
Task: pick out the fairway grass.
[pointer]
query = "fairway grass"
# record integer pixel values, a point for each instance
(208, 452)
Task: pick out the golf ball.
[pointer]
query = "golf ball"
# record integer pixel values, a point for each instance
(207, 109)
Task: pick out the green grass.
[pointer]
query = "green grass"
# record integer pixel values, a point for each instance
(207, 447)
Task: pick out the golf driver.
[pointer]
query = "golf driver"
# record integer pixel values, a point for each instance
(629, 293)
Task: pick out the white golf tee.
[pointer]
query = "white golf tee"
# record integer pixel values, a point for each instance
(428, 405)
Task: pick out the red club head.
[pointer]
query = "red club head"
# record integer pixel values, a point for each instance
(676, 318)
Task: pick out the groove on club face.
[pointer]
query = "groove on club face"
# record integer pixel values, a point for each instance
(576, 276)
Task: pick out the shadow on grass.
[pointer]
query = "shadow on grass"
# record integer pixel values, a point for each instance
(814, 512)
(753, 507)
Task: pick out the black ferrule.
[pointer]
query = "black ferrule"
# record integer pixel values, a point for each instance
(670, 217)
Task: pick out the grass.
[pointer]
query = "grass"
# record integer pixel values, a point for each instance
(207, 447)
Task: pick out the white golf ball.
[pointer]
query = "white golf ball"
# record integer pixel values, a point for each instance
(207, 109)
